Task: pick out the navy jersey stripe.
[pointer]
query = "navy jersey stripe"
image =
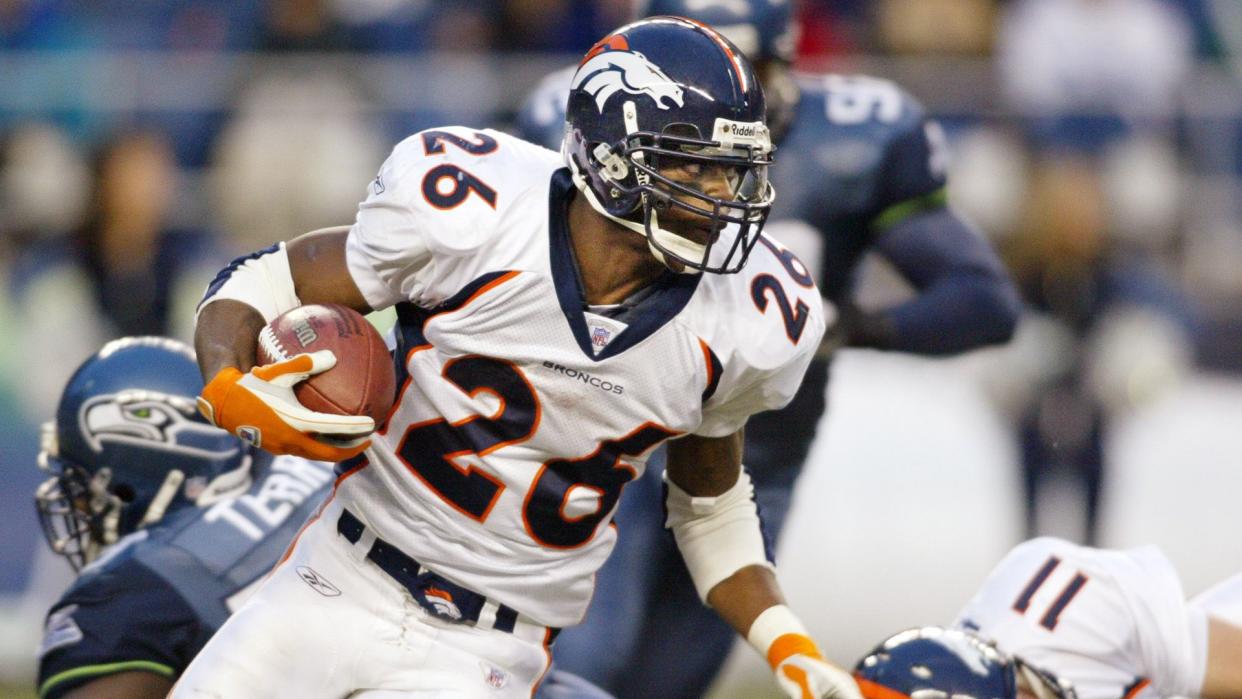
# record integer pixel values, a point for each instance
(1067, 595)
(1024, 600)
(223, 275)
(715, 369)
(670, 292)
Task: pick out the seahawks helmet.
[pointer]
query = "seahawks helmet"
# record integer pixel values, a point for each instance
(127, 446)
(938, 663)
(668, 94)
(764, 30)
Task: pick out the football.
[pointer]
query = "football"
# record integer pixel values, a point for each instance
(363, 382)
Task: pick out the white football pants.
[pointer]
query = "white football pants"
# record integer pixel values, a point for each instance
(329, 623)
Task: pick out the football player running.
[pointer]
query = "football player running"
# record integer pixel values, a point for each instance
(1055, 619)
(169, 519)
(558, 318)
(861, 168)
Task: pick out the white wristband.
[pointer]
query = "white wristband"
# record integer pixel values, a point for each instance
(717, 536)
(774, 622)
(262, 281)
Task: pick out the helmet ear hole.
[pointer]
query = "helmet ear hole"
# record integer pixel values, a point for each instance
(684, 130)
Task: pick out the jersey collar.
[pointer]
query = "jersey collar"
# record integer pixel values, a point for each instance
(670, 292)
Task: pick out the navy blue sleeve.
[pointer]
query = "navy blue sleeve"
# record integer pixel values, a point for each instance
(965, 298)
(123, 619)
(912, 174)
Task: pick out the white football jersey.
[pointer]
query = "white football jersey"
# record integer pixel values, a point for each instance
(1113, 623)
(521, 416)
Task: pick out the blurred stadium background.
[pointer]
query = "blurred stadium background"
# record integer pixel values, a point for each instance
(1098, 143)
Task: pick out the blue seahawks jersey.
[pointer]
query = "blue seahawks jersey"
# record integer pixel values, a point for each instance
(156, 597)
(860, 155)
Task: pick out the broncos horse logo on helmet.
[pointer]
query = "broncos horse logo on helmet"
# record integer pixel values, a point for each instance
(127, 446)
(611, 67)
(661, 95)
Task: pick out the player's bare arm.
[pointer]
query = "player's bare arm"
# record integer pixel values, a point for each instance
(705, 467)
(1223, 678)
(709, 471)
(124, 685)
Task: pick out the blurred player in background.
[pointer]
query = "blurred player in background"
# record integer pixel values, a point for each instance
(1055, 619)
(558, 318)
(861, 168)
(141, 495)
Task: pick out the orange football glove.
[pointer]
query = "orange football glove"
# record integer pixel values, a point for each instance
(803, 674)
(261, 409)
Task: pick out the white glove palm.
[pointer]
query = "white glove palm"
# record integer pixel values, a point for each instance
(805, 677)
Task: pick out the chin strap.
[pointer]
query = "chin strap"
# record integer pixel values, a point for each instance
(163, 497)
(615, 168)
(1036, 683)
(676, 244)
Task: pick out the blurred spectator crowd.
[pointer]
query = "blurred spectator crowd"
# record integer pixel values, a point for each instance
(144, 143)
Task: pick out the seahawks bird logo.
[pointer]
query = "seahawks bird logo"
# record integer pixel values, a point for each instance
(611, 67)
(148, 419)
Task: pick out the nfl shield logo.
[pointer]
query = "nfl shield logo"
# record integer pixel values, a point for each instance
(600, 336)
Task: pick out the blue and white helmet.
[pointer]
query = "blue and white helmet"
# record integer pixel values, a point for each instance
(666, 92)
(764, 30)
(128, 446)
(932, 662)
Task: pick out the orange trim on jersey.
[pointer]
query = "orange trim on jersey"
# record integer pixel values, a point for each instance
(1140, 686)
(565, 501)
(612, 42)
(318, 511)
(547, 652)
(482, 290)
(875, 690)
(405, 385)
(616, 464)
(410, 354)
(444, 174)
(707, 359)
(448, 458)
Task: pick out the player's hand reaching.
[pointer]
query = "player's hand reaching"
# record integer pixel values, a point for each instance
(807, 677)
(804, 674)
(260, 407)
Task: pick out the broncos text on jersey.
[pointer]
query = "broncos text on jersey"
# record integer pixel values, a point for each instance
(499, 456)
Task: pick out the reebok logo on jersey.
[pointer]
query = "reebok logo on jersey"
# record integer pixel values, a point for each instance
(317, 582)
(584, 377)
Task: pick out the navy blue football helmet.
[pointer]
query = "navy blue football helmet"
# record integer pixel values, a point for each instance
(933, 662)
(128, 446)
(764, 30)
(665, 95)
